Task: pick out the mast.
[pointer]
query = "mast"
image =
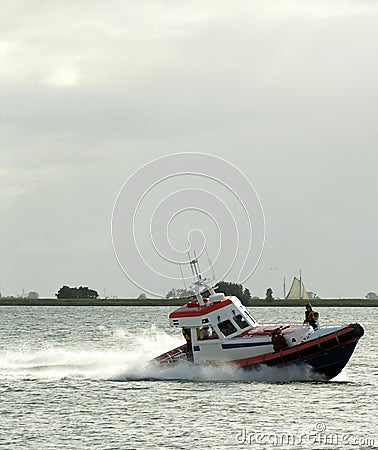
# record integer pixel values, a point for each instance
(182, 276)
(200, 284)
(196, 259)
(191, 266)
(300, 285)
(210, 263)
(197, 276)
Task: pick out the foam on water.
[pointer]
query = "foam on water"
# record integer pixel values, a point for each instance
(93, 361)
(130, 363)
(189, 372)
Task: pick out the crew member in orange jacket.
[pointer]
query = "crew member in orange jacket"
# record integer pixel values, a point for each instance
(311, 316)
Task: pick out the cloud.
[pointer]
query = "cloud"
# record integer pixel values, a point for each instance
(65, 74)
(286, 90)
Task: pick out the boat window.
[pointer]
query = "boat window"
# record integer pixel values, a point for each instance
(227, 327)
(241, 321)
(205, 333)
(247, 313)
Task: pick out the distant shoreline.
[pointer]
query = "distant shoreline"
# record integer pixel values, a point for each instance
(178, 302)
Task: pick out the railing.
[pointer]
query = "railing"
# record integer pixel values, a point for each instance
(172, 355)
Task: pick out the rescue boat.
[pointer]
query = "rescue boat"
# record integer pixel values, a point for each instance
(220, 330)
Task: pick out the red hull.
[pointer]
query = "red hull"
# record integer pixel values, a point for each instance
(327, 354)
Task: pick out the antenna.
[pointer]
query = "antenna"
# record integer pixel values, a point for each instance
(200, 284)
(182, 276)
(210, 264)
(191, 266)
(194, 265)
(198, 267)
(195, 269)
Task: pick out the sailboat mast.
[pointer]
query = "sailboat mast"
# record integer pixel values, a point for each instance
(300, 285)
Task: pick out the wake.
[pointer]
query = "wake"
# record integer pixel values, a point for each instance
(130, 362)
(117, 351)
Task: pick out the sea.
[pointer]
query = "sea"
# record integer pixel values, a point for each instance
(80, 378)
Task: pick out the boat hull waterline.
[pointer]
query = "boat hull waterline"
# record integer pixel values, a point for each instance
(326, 355)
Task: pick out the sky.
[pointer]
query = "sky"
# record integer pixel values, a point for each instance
(284, 91)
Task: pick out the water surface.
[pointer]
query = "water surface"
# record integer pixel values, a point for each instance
(78, 378)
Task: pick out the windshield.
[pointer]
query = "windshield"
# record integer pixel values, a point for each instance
(205, 333)
(227, 327)
(253, 321)
(241, 321)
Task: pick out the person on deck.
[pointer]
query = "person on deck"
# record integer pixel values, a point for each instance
(203, 334)
(188, 348)
(311, 316)
(278, 340)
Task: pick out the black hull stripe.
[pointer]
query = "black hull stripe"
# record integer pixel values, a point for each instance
(247, 344)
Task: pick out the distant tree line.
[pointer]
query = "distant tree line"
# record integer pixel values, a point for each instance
(179, 293)
(32, 295)
(76, 292)
(236, 289)
(229, 288)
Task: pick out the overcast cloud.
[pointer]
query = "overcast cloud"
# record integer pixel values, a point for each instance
(284, 90)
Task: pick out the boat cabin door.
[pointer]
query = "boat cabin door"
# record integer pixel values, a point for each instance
(206, 343)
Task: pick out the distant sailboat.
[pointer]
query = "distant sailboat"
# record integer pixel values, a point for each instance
(297, 291)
